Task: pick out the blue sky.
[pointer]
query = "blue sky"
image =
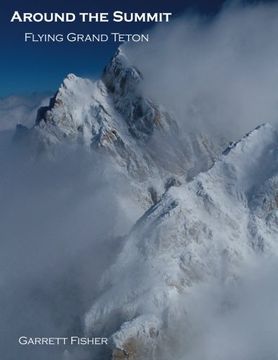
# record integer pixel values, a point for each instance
(32, 67)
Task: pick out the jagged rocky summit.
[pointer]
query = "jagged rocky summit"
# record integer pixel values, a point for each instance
(113, 116)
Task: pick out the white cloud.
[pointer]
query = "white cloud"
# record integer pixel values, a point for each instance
(20, 110)
(220, 74)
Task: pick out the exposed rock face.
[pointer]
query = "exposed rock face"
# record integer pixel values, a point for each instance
(129, 351)
(142, 116)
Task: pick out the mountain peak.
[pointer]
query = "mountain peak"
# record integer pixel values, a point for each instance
(115, 115)
(68, 81)
(71, 76)
(250, 136)
(251, 160)
(120, 76)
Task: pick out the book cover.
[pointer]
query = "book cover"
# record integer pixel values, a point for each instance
(138, 180)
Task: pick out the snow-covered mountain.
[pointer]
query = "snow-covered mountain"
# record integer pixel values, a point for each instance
(206, 229)
(112, 116)
(205, 213)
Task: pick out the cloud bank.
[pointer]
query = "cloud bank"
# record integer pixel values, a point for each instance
(218, 74)
(229, 320)
(20, 109)
(61, 222)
